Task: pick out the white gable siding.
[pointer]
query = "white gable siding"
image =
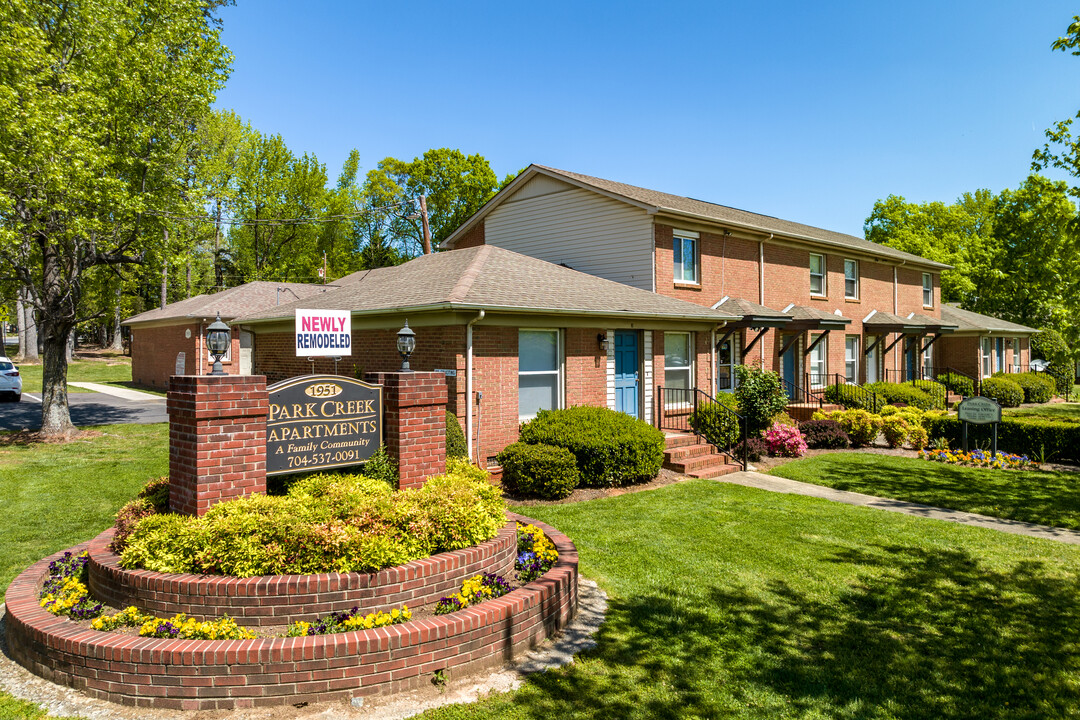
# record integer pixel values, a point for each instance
(578, 228)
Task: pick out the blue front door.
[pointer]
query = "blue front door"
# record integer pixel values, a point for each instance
(626, 372)
(788, 366)
(912, 358)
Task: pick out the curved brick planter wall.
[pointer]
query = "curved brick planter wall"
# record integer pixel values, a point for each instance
(222, 674)
(282, 599)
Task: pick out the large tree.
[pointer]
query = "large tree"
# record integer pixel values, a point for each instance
(99, 101)
(1061, 149)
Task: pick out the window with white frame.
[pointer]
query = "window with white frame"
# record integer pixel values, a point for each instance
(927, 290)
(677, 361)
(928, 363)
(851, 279)
(725, 365)
(1017, 367)
(987, 357)
(538, 372)
(817, 274)
(851, 359)
(872, 359)
(684, 257)
(818, 368)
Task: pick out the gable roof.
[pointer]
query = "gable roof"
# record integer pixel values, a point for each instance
(966, 321)
(654, 201)
(491, 278)
(231, 302)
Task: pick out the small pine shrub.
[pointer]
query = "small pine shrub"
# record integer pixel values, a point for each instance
(544, 471)
(381, 466)
(824, 434)
(455, 438)
(1004, 390)
(611, 448)
(717, 421)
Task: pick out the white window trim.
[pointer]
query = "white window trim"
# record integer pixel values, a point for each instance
(986, 357)
(736, 356)
(824, 276)
(560, 363)
(694, 239)
(855, 296)
(823, 348)
(855, 358)
(691, 356)
(925, 277)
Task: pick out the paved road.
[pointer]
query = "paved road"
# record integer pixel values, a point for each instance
(86, 409)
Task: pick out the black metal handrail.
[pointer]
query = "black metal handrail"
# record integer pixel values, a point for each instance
(849, 394)
(938, 372)
(801, 394)
(675, 406)
(923, 378)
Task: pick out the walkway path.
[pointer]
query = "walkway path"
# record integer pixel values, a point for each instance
(118, 392)
(794, 487)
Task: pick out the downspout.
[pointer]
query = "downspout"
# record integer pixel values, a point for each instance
(469, 386)
(761, 294)
(896, 308)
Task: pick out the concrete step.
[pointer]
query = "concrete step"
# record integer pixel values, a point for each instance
(715, 471)
(687, 451)
(688, 465)
(677, 439)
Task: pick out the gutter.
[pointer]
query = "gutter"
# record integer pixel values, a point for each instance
(469, 386)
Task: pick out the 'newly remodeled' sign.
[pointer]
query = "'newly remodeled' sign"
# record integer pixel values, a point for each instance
(323, 333)
(322, 421)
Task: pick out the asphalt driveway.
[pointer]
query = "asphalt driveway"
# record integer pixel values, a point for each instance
(94, 408)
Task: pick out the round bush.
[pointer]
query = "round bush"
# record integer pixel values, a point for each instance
(893, 393)
(611, 448)
(1004, 390)
(957, 383)
(895, 430)
(853, 397)
(1037, 387)
(545, 471)
(455, 438)
(825, 434)
(1049, 345)
(717, 422)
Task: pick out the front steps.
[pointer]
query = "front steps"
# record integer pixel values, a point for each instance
(801, 411)
(688, 454)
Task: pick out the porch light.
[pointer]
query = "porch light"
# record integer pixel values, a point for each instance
(217, 342)
(601, 340)
(406, 343)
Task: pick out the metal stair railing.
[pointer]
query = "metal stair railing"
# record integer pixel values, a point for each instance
(676, 408)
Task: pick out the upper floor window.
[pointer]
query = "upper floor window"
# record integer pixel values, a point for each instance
(817, 274)
(927, 290)
(685, 257)
(851, 279)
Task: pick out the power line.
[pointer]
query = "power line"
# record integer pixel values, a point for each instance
(270, 222)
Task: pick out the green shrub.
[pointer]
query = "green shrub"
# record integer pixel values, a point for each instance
(455, 438)
(861, 426)
(824, 434)
(853, 397)
(760, 396)
(1037, 387)
(381, 466)
(1049, 345)
(719, 426)
(957, 383)
(1035, 437)
(327, 523)
(611, 448)
(1004, 390)
(153, 499)
(892, 393)
(545, 471)
(895, 430)
(937, 392)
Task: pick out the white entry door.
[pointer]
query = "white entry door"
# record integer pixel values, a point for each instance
(246, 342)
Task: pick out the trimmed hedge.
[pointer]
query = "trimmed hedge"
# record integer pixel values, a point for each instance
(1004, 390)
(455, 438)
(717, 425)
(824, 434)
(611, 447)
(892, 393)
(957, 383)
(854, 397)
(1037, 387)
(545, 471)
(1033, 437)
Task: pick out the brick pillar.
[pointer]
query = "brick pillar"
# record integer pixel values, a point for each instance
(414, 423)
(217, 439)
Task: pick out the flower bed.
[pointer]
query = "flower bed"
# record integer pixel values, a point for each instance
(980, 459)
(225, 674)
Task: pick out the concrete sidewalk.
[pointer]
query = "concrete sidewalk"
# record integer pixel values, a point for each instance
(118, 392)
(793, 487)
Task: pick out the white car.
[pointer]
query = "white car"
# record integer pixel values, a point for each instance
(10, 382)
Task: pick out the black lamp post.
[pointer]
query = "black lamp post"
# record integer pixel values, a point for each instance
(217, 342)
(406, 343)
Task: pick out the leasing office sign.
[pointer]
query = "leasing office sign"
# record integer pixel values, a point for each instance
(323, 333)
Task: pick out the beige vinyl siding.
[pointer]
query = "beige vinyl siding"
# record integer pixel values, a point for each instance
(577, 228)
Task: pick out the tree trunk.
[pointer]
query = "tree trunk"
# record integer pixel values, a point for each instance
(30, 347)
(118, 336)
(187, 295)
(69, 352)
(20, 322)
(59, 301)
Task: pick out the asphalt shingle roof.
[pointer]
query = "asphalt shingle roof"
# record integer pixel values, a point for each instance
(966, 320)
(231, 302)
(492, 278)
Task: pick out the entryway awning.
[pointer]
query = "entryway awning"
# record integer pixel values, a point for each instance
(882, 323)
(752, 315)
(808, 318)
(932, 325)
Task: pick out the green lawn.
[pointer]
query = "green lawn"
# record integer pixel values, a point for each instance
(1047, 498)
(112, 372)
(53, 496)
(729, 602)
(1055, 411)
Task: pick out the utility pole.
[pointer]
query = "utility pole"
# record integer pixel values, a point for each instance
(427, 225)
(165, 272)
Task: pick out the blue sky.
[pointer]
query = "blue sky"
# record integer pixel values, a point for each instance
(806, 111)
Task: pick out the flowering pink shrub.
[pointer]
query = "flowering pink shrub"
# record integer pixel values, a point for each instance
(785, 440)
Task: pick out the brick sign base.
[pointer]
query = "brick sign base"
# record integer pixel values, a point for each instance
(226, 674)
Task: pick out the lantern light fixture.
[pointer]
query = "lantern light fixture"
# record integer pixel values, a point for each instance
(217, 342)
(406, 343)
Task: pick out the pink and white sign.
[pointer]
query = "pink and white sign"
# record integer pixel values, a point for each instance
(323, 333)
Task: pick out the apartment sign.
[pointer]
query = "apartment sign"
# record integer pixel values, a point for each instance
(317, 422)
(323, 333)
(979, 411)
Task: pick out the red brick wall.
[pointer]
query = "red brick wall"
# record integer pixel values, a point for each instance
(284, 599)
(414, 423)
(960, 353)
(226, 674)
(154, 351)
(472, 237)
